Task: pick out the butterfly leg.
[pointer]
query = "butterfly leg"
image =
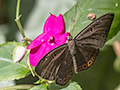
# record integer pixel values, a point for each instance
(74, 64)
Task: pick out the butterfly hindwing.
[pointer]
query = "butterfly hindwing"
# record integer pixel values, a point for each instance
(85, 57)
(65, 72)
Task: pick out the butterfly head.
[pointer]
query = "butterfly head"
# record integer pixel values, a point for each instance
(69, 38)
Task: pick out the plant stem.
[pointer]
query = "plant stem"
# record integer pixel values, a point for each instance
(17, 8)
(18, 19)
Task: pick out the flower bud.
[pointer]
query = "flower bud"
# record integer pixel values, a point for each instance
(18, 53)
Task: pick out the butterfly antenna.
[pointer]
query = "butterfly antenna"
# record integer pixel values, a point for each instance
(75, 16)
(56, 20)
(75, 10)
(73, 19)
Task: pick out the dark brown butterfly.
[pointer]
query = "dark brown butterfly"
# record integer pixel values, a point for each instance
(78, 54)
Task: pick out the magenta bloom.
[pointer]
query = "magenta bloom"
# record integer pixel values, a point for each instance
(53, 36)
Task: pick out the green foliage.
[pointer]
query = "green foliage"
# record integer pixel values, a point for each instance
(53, 86)
(8, 69)
(84, 7)
(40, 87)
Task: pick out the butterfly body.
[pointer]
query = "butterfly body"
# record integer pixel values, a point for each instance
(77, 54)
(71, 45)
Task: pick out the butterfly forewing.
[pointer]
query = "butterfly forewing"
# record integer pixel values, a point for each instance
(49, 65)
(90, 40)
(56, 65)
(95, 34)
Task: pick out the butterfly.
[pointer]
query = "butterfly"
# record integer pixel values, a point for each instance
(77, 54)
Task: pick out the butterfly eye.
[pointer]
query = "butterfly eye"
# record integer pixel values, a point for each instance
(69, 38)
(91, 30)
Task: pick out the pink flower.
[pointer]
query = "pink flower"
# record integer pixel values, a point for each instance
(53, 36)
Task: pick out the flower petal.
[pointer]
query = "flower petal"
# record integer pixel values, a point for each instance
(39, 52)
(38, 41)
(54, 25)
(61, 39)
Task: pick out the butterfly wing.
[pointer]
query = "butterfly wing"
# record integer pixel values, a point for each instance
(85, 57)
(56, 65)
(91, 39)
(95, 34)
(65, 72)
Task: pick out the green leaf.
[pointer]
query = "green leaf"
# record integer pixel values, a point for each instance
(53, 86)
(40, 87)
(8, 69)
(17, 87)
(72, 86)
(84, 7)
